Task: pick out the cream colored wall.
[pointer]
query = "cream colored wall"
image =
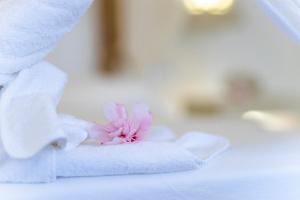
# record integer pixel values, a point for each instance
(162, 38)
(77, 53)
(245, 40)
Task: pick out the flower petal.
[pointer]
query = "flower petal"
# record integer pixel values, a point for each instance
(116, 133)
(142, 115)
(122, 128)
(114, 111)
(109, 127)
(140, 111)
(134, 126)
(144, 127)
(98, 132)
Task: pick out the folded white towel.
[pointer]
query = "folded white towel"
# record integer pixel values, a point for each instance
(31, 88)
(186, 153)
(38, 169)
(286, 13)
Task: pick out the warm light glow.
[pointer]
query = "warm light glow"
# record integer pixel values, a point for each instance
(216, 7)
(273, 120)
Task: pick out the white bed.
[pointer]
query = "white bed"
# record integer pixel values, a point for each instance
(259, 165)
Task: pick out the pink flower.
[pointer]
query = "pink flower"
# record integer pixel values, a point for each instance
(122, 127)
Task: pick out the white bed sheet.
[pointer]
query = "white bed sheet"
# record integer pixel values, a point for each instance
(260, 165)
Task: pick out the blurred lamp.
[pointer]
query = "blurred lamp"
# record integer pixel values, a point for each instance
(215, 7)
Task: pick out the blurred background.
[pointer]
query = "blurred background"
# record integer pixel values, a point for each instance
(188, 59)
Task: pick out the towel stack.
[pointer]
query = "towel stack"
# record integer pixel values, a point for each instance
(30, 125)
(148, 157)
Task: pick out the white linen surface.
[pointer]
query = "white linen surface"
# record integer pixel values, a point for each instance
(259, 165)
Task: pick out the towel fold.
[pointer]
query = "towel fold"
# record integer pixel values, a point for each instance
(89, 160)
(28, 109)
(30, 87)
(28, 117)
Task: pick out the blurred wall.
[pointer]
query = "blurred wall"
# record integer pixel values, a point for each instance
(162, 36)
(244, 41)
(78, 53)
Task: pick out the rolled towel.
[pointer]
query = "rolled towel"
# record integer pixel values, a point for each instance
(186, 153)
(30, 29)
(30, 87)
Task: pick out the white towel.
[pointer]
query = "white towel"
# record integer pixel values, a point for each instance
(28, 117)
(29, 30)
(37, 169)
(286, 13)
(186, 153)
(28, 110)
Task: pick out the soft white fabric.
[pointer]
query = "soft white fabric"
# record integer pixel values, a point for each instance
(28, 110)
(93, 160)
(75, 131)
(205, 146)
(286, 13)
(142, 158)
(259, 165)
(29, 30)
(31, 90)
(38, 169)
